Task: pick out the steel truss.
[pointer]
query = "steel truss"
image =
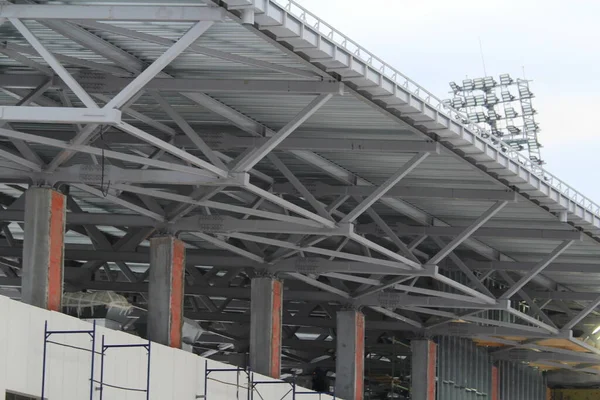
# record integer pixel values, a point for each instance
(238, 194)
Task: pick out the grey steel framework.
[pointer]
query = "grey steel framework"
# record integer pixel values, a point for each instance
(272, 144)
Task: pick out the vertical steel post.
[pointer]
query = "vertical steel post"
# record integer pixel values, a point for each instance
(44, 359)
(102, 370)
(148, 372)
(92, 362)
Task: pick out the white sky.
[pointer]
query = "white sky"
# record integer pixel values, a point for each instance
(437, 41)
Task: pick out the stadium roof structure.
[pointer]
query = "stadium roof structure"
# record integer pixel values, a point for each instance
(273, 144)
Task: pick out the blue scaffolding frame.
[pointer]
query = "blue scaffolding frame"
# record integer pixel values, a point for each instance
(48, 333)
(251, 383)
(105, 347)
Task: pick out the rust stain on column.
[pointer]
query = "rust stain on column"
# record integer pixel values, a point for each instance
(495, 383)
(431, 366)
(56, 247)
(177, 275)
(359, 361)
(276, 324)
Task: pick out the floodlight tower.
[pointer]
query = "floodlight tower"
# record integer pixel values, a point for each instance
(491, 105)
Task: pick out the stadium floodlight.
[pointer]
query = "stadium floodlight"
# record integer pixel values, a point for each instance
(524, 92)
(506, 96)
(478, 83)
(491, 99)
(470, 101)
(493, 115)
(505, 79)
(468, 84)
(527, 109)
(455, 88)
(489, 82)
(479, 100)
(458, 102)
(531, 125)
(513, 130)
(510, 112)
(484, 98)
(477, 116)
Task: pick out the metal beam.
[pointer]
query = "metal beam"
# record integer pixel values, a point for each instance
(529, 300)
(52, 61)
(199, 49)
(59, 115)
(323, 189)
(395, 315)
(465, 270)
(106, 84)
(533, 321)
(113, 12)
(321, 251)
(161, 62)
(465, 289)
(382, 189)
(254, 157)
(169, 148)
(189, 131)
(517, 233)
(65, 60)
(539, 267)
(318, 207)
(528, 266)
(467, 232)
(582, 314)
(98, 152)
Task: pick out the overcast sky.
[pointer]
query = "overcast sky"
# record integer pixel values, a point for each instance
(437, 41)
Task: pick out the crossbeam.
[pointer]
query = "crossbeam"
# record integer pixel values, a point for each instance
(539, 267)
(106, 84)
(323, 189)
(436, 231)
(59, 115)
(175, 13)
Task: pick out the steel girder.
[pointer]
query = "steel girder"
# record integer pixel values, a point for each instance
(360, 257)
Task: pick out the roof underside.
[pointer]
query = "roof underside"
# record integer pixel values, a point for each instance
(237, 87)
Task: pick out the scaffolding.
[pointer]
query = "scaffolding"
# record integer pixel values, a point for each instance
(102, 384)
(92, 333)
(49, 333)
(251, 384)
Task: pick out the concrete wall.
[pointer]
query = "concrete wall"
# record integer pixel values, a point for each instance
(174, 374)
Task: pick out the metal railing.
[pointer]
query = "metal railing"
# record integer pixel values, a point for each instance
(315, 23)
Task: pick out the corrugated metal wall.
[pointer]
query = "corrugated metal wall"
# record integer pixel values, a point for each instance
(465, 372)
(520, 382)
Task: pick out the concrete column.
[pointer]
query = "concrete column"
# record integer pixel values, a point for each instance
(423, 372)
(165, 290)
(265, 326)
(350, 355)
(43, 248)
(495, 383)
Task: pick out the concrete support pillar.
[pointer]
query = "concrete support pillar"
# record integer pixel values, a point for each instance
(166, 290)
(43, 248)
(423, 372)
(265, 326)
(495, 383)
(350, 355)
